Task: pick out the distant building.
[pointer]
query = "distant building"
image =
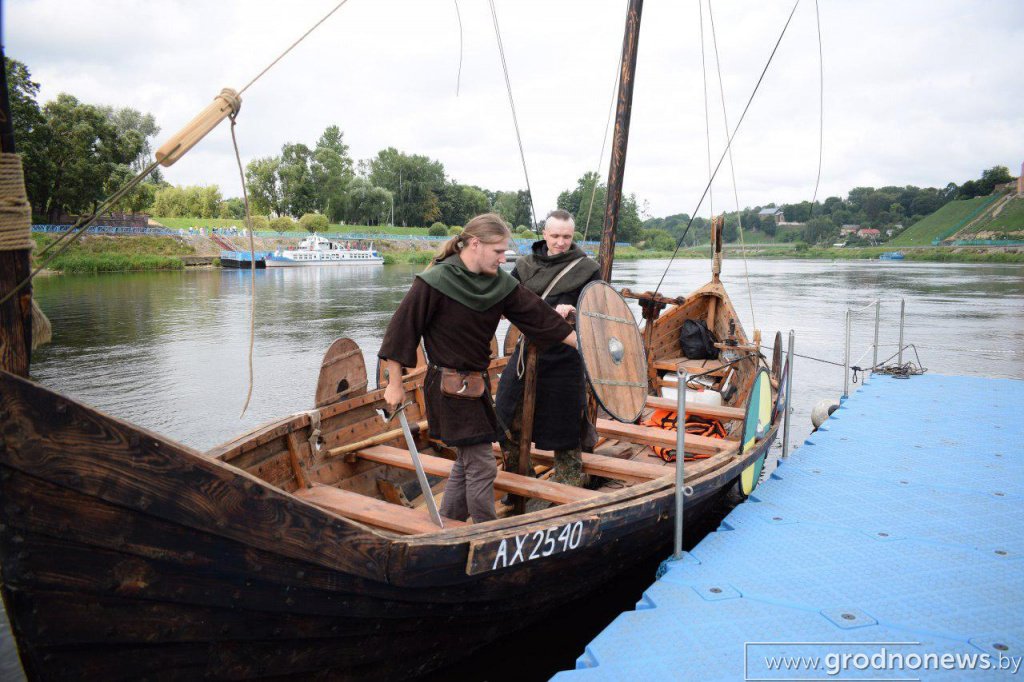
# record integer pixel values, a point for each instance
(775, 214)
(869, 233)
(849, 229)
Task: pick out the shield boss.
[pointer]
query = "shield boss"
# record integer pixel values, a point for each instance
(613, 351)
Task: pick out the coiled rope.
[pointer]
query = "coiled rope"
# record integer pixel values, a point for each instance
(16, 231)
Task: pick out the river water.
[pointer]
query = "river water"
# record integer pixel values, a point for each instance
(168, 350)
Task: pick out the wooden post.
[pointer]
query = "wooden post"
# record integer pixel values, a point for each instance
(16, 313)
(526, 426)
(620, 138)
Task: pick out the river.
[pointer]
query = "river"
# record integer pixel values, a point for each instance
(168, 350)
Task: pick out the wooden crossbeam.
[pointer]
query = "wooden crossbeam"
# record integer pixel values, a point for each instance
(372, 511)
(691, 366)
(509, 482)
(716, 411)
(608, 467)
(652, 435)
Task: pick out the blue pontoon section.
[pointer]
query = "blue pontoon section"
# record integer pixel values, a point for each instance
(897, 528)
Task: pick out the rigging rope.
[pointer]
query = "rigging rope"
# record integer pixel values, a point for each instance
(729, 142)
(604, 142)
(707, 116)
(292, 46)
(458, 78)
(732, 170)
(512, 104)
(252, 262)
(821, 106)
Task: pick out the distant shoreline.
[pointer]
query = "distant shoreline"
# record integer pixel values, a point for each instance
(96, 254)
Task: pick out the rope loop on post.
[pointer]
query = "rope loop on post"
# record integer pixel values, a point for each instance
(15, 211)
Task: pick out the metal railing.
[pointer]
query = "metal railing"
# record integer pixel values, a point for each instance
(683, 490)
(850, 312)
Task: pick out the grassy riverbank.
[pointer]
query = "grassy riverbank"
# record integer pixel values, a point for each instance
(100, 253)
(95, 254)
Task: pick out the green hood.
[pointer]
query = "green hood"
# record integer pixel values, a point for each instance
(477, 292)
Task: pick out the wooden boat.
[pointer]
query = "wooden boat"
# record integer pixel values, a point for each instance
(302, 549)
(127, 555)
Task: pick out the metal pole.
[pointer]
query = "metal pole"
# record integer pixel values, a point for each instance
(878, 317)
(846, 360)
(789, 390)
(682, 377)
(903, 308)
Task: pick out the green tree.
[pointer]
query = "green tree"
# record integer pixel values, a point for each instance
(996, 175)
(265, 193)
(82, 149)
(331, 171)
(314, 222)
(282, 224)
(413, 180)
(364, 204)
(819, 230)
(459, 203)
(299, 192)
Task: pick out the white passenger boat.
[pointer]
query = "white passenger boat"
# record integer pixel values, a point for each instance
(316, 250)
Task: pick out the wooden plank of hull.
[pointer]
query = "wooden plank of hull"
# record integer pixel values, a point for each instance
(59, 440)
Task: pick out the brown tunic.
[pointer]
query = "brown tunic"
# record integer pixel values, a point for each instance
(458, 337)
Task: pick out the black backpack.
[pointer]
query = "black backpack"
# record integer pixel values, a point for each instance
(697, 341)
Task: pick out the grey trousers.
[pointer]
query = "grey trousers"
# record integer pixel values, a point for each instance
(470, 487)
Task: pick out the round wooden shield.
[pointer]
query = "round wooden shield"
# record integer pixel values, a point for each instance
(342, 373)
(495, 348)
(512, 337)
(613, 351)
(756, 422)
(777, 356)
(421, 361)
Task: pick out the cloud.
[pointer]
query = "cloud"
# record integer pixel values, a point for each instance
(915, 92)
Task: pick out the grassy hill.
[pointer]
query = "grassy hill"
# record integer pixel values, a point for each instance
(944, 222)
(1010, 220)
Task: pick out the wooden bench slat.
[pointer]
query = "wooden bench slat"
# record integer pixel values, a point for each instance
(506, 481)
(372, 511)
(716, 411)
(627, 470)
(691, 366)
(652, 435)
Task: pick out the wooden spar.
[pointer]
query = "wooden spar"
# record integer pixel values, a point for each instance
(16, 313)
(620, 138)
(716, 265)
(379, 439)
(526, 424)
(196, 129)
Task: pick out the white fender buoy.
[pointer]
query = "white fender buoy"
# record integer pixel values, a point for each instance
(822, 411)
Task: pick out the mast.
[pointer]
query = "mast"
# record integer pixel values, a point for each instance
(15, 314)
(620, 138)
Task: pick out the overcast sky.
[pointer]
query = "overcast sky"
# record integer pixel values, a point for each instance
(916, 92)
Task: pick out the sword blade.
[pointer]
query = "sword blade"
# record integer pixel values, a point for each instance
(420, 474)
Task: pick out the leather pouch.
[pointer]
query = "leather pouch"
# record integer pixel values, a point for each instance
(459, 384)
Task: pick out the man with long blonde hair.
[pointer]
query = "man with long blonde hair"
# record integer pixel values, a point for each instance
(454, 306)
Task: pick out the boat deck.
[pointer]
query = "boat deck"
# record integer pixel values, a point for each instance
(898, 526)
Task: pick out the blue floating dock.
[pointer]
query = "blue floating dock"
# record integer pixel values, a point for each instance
(898, 527)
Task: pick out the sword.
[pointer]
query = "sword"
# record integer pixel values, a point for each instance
(420, 474)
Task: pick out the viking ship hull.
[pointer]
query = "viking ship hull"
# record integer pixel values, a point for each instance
(128, 556)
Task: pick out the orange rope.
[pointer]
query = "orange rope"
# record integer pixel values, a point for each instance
(708, 427)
